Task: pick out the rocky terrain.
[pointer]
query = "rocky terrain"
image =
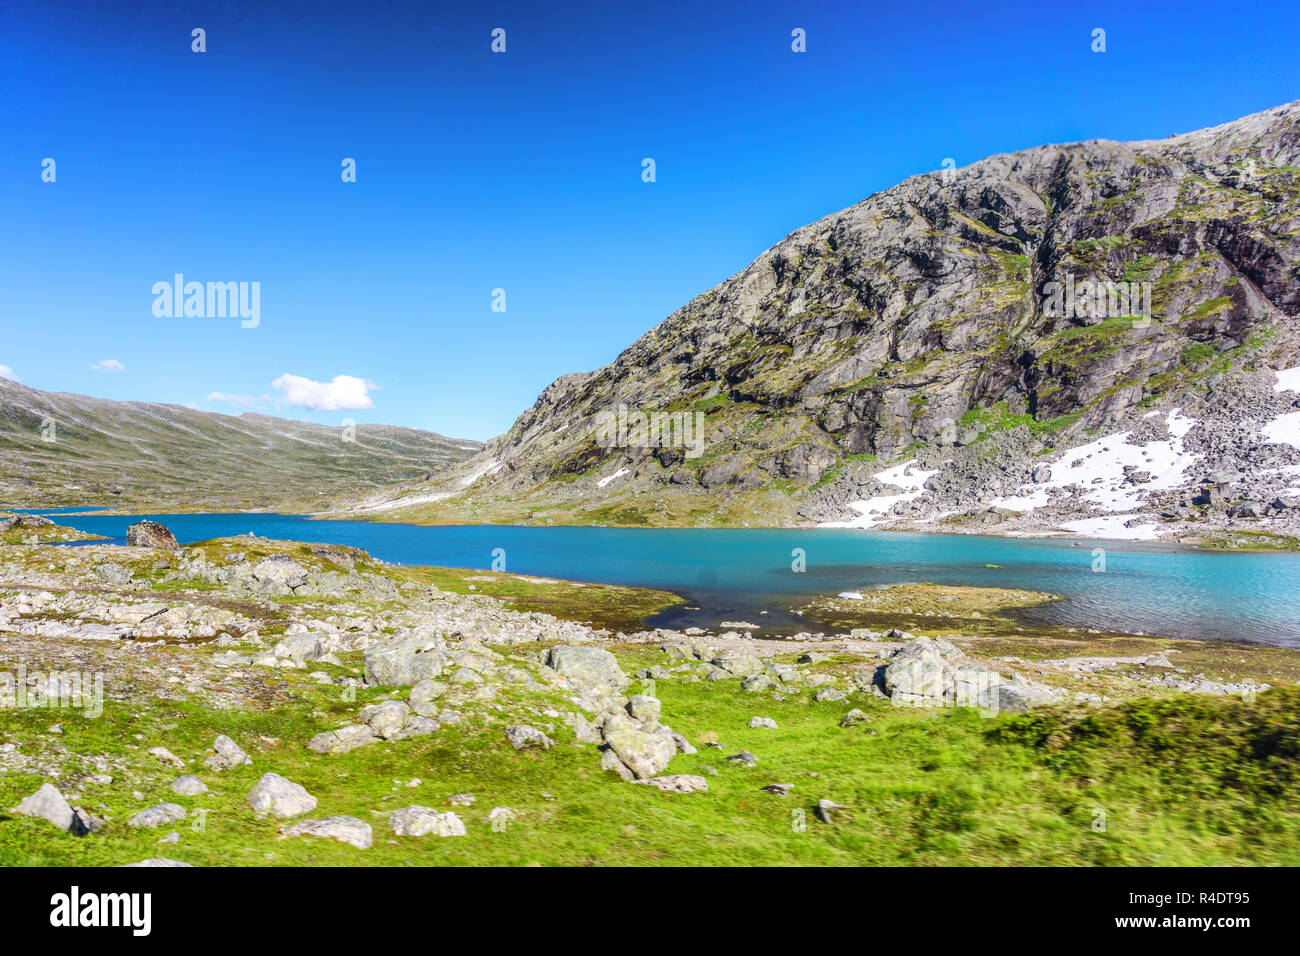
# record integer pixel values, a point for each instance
(256, 702)
(72, 450)
(914, 359)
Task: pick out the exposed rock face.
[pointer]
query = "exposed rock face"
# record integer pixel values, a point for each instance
(151, 534)
(924, 318)
(342, 740)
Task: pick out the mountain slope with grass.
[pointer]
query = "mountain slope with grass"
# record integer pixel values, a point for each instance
(61, 449)
(921, 328)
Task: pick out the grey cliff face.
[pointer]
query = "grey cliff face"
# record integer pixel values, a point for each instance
(878, 329)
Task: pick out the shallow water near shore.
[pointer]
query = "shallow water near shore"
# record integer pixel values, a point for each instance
(737, 574)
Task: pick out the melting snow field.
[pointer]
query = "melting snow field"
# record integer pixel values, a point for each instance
(876, 510)
(490, 468)
(1097, 469)
(1283, 430)
(1094, 471)
(1112, 526)
(608, 478)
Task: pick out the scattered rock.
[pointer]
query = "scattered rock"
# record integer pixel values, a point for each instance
(346, 829)
(161, 815)
(523, 737)
(159, 861)
(678, 783)
(189, 786)
(422, 821)
(274, 794)
(165, 755)
(854, 718)
(48, 803)
(826, 807)
(227, 755)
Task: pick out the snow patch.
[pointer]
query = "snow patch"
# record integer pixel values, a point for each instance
(874, 511)
(1022, 503)
(1097, 470)
(489, 468)
(1288, 380)
(608, 478)
(1112, 526)
(1283, 430)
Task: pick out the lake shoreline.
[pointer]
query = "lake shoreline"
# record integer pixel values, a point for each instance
(730, 574)
(1215, 545)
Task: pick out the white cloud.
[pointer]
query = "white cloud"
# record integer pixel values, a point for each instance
(243, 401)
(7, 372)
(341, 393)
(108, 365)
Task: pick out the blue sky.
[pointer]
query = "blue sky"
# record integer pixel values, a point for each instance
(519, 171)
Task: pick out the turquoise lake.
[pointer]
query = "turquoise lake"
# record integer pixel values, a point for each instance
(738, 574)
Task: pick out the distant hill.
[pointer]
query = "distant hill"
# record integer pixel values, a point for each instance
(154, 457)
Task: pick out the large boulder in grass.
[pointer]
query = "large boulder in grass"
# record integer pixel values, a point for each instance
(422, 821)
(646, 754)
(48, 804)
(590, 668)
(151, 534)
(274, 794)
(919, 673)
(928, 672)
(279, 574)
(407, 658)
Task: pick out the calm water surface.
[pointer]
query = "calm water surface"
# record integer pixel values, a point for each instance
(737, 574)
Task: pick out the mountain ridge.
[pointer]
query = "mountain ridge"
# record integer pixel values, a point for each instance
(914, 323)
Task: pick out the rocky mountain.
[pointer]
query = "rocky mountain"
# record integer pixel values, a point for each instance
(59, 449)
(969, 326)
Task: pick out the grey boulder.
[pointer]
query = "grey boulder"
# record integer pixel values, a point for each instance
(274, 794)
